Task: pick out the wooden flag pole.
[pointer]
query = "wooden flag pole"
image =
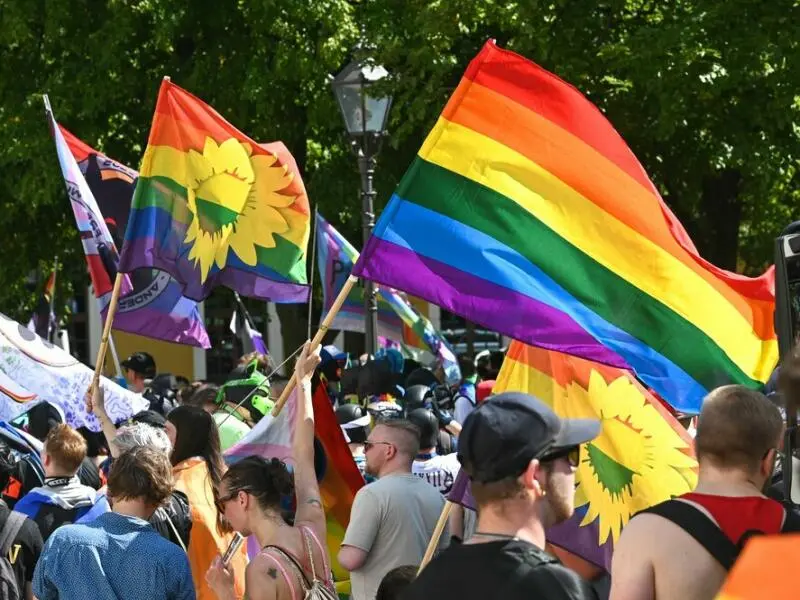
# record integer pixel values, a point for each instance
(323, 328)
(112, 311)
(437, 533)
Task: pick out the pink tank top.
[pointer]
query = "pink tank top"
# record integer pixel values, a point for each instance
(293, 583)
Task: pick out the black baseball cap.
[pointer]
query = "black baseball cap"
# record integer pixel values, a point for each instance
(504, 433)
(142, 363)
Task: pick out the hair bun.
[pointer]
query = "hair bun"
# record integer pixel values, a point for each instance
(280, 478)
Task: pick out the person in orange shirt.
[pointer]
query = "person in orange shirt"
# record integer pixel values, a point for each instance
(198, 468)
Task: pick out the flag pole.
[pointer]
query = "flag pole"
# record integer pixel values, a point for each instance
(114, 354)
(437, 534)
(323, 328)
(112, 311)
(313, 268)
(51, 326)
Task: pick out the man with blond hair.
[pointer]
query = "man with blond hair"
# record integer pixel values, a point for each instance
(700, 534)
(63, 498)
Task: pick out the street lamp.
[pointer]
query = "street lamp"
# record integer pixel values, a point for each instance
(365, 116)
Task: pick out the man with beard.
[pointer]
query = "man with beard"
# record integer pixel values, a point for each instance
(392, 519)
(521, 460)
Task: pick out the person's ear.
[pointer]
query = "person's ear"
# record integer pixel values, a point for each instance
(534, 478)
(768, 463)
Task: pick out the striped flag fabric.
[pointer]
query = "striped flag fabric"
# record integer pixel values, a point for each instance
(213, 207)
(397, 319)
(526, 212)
(642, 456)
(100, 191)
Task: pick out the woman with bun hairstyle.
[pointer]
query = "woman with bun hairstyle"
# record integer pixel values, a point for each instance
(198, 468)
(292, 557)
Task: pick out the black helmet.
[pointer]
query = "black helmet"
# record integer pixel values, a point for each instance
(428, 426)
(347, 413)
(421, 376)
(415, 397)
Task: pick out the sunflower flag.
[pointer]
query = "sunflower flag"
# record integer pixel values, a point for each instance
(213, 207)
(642, 456)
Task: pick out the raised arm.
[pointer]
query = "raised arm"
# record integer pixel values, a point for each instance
(95, 403)
(306, 487)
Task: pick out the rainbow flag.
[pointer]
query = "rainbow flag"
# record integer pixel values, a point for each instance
(527, 213)
(213, 207)
(43, 321)
(153, 305)
(397, 319)
(642, 457)
(339, 479)
(335, 258)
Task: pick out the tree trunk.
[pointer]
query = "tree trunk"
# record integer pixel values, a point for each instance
(721, 216)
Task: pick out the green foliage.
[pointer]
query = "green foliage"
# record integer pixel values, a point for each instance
(704, 92)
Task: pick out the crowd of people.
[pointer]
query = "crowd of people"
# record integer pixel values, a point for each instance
(148, 508)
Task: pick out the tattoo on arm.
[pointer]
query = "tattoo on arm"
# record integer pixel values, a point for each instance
(314, 502)
(273, 572)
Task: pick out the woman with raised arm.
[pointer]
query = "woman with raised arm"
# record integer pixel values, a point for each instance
(293, 559)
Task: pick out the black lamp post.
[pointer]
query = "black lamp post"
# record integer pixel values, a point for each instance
(365, 116)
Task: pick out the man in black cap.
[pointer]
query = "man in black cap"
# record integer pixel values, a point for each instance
(521, 459)
(137, 368)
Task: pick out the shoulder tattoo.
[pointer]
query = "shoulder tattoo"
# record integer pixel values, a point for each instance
(273, 572)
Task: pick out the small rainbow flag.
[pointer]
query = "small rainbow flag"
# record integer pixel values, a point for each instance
(213, 207)
(527, 213)
(397, 319)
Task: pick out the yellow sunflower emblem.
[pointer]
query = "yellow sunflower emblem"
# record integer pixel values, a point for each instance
(637, 460)
(234, 199)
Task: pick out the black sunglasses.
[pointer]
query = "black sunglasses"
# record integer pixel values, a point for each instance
(573, 456)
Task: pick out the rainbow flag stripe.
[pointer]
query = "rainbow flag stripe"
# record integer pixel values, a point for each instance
(526, 212)
(213, 207)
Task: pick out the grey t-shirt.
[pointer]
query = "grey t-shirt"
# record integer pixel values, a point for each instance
(392, 520)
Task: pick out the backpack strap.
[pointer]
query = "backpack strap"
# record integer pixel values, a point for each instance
(10, 530)
(698, 525)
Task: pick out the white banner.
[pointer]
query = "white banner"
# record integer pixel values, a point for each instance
(32, 370)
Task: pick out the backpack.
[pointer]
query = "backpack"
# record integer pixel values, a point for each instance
(9, 587)
(315, 589)
(706, 533)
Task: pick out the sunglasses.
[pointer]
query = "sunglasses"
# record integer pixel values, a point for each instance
(221, 502)
(573, 456)
(368, 444)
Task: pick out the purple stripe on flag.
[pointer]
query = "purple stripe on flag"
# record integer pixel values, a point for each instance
(164, 326)
(484, 302)
(140, 253)
(569, 535)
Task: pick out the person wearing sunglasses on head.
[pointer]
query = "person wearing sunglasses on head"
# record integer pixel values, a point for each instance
(521, 459)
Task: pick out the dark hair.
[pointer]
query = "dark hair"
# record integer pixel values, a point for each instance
(95, 442)
(266, 480)
(467, 365)
(395, 582)
(141, 473)
(204, 394)
(196, 434)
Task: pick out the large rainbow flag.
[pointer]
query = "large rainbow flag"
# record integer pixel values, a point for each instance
(397, 319)
(213, 207)
(526, 212)
(339, 479)
(642, 457)
(100, 191)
